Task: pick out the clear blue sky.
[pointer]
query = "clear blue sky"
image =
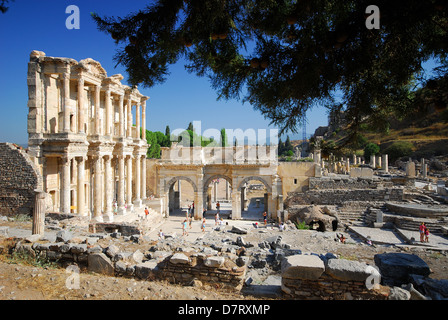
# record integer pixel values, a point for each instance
(40, 25)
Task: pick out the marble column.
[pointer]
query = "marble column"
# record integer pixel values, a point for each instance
(121, 115)
(65, 185)
(65, 104)
(97, 192)
(385, 162)
(138, 200)
(121, 202)
(108, 106)
(39, 213)
(109, 213)
(129, 183)
(143, 137)
(199, 198)
(143, 182)
(129, 119)
(236, 200)
(137, 120)
(81, 105)
(97, 109)
(81, 205)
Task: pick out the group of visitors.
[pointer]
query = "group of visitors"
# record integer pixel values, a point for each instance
(424, 233)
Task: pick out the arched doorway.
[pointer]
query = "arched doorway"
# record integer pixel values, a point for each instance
(255, 193)
(181, 192)
(218, 191)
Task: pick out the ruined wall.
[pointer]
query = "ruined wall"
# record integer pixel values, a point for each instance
(151, 177)
(186, 267)
(327, 287)
(295, 176)
(313, 277)
(19, 179)
(340, 196)
(346, 183)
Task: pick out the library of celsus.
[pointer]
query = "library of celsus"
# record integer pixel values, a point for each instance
(83, 137)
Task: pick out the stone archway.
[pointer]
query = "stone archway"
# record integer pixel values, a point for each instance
(173, 203)
(245, 180)
(253, 208)
(211, 194)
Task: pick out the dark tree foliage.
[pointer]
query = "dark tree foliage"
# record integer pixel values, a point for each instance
(3, 5)
(284, 57)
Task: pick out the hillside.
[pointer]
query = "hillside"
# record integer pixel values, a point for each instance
(418, 136)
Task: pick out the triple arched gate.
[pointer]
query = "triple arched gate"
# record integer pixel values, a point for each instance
(200, 178)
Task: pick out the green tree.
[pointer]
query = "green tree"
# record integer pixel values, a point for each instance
(3, 7)
(168, 135)
(288, 146)
(281, 147)
(371, 149)
(285, 57)
(224, 140)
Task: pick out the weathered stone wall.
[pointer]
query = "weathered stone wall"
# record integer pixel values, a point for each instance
(310, 277)
(19, 179)
(346, 183)
(340, 196)
(185, 267)
(180, 267)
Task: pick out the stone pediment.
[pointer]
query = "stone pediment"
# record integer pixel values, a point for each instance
(93, 67)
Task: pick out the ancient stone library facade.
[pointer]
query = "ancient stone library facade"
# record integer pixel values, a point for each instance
(83, 137)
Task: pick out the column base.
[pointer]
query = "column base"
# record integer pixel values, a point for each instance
(121, 211)
(108, 217)
(98, 219)
(138, 203)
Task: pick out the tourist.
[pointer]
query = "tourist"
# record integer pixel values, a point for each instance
(203, 225)
(192, 208)
(161, 236)
(189, 221)
(216, 218)
(218, 206)
(265, 218)
(282, 226)
(426, 234)
(184, 228)
(341, 238)
(146, 213)
(422, 231)
(189, 210)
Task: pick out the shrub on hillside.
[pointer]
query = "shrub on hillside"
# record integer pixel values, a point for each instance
(399, 149)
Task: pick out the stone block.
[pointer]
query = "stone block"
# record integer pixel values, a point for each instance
(347, 270)
(179, 258)
(214, 262)
(306, 267)
(79, 248)
(100, 263)
(64, 236)
(112, 250)
(146, 269)
(238, 230)
(397, 267)
(4, 231)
